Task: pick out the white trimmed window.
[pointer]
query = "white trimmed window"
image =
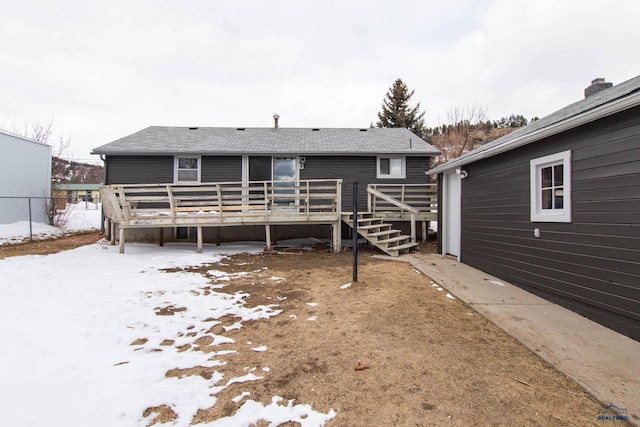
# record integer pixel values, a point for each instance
(391, 167)
(551, 188)
(187, 169)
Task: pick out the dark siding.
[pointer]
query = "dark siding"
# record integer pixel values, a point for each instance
(139, 169)
(440, 222)
(221, 169)
(363, 170)
(159, 169)
(591, 265)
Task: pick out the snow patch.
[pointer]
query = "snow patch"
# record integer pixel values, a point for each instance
(495, 282)
(251, 412)
(241, 396)
(77, 330)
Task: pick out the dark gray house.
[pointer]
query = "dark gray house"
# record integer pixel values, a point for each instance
(554, 207)
(284, 156)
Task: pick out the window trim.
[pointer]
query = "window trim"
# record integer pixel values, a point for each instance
(535, 166)
(403, 174)
(176, 160)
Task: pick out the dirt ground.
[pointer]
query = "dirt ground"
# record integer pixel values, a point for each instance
(390, 350)
(49, 246)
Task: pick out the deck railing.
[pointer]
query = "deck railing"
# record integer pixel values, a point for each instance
(222, 204)
(423, 197)
(133, 204)
(405, 202)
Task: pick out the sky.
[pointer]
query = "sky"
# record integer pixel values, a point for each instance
(103, 70)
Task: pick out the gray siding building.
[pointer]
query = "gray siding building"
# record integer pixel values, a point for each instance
(157, 155)
(555, 207)
(25, 171)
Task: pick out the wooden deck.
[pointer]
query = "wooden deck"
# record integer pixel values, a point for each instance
(222, 204)
(226, 204)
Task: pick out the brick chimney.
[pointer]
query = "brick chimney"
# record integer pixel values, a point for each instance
(275, 121)
(596, 86)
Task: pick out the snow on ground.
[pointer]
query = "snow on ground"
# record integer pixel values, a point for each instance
(17, 232)
(67, 322)
(77, 217)
(83, 216)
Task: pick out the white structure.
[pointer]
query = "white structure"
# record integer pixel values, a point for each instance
(25, 171)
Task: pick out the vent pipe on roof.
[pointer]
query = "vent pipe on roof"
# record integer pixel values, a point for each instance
(596, 86)
(275, 121)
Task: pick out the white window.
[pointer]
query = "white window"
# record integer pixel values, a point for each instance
(551, 188)
(391, 167)
(187, 169)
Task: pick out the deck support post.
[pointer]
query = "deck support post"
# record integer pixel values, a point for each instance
(122, 240)
(161, 237)
(199, 240)
(424, 231)
(267, 232)
(413, 228)
(337, 236)
(107, 228)
(112, 226)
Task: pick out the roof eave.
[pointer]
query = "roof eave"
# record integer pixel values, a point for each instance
(599, 112)
(262, 153)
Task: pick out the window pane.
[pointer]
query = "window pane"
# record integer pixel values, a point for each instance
(396, 167)
(385, 166)
(260, 168)
(284, 169)
(558, 200)
(546, 177)
(284, 175)
(188, 175)
(187, 163)
(557, 175)
(547, 197)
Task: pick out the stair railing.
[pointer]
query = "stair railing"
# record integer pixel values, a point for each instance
(403, 206)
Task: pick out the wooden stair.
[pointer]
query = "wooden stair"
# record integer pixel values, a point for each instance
(381, 234)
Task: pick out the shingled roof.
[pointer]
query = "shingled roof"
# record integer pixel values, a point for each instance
(157, 140)
(606, 102)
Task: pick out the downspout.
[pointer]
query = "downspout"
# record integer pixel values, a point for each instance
(104, 182)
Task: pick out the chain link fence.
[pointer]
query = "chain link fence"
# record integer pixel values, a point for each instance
(21, 218)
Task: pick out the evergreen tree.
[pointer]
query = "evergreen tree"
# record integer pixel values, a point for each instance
(396, 112)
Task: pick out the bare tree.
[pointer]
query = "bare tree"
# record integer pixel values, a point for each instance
(37, 131)
(60, 166)
(43, 133)
(465, 131)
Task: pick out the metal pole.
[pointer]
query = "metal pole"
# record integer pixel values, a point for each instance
(355, 231)
(30, 222)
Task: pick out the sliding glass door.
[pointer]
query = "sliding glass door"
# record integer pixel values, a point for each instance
(282, 171)
(284, 176)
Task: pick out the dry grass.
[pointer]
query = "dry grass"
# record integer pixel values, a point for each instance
(430, 359)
